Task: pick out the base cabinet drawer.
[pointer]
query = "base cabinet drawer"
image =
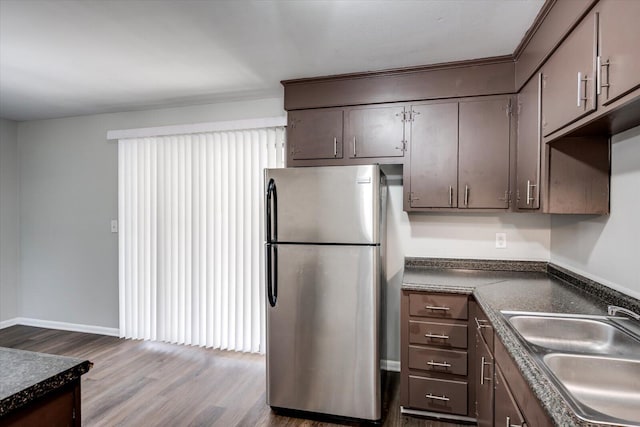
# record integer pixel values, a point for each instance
(438, 306)
(437, 395)
(442, 361)
(439, 334)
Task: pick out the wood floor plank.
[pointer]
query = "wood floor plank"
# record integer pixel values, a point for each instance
(141, 383)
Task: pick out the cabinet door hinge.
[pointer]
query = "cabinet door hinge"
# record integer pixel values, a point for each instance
(506, 198)
(403, 146)
(73, 413)
(404, 116)
(509, 108)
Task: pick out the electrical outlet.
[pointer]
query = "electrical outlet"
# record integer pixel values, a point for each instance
(501, 240)
(114, 225)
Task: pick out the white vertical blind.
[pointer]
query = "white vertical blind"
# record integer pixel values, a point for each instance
(191, 257)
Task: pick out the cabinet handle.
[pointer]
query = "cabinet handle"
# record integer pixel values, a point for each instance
(579, 89)
(354, 147)
(466, 195)
(482, 377)
(599, 84)
(431, 396)
(508, 423)
(480, 323)
(580, 97)
(443, 364)
(441, 336)
(335, 147)
(450, 195)
(433, 307)
(530, 198)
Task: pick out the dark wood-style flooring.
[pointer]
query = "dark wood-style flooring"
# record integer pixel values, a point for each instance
(140, 383)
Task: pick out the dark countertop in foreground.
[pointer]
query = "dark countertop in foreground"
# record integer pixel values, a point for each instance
(26, 376)
(539, 288)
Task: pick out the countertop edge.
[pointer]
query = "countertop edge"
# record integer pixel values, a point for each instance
(38, 390)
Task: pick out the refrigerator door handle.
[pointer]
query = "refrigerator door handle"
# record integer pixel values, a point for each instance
(272, 236)
(271, 205)
(272, 274)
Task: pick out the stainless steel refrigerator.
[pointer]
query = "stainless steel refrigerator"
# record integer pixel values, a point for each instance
(324, 251)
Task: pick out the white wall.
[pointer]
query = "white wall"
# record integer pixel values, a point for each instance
(457, 235)
(68, 173)
(9, 221)
(607, 248)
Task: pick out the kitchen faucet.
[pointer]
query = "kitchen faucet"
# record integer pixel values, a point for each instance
(614, 309)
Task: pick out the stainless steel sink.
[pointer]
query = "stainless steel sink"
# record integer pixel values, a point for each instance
(594, 361)
(599, 384)
(579, 335)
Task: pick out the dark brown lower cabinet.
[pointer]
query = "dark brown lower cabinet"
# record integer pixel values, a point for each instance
(438, 395)
(484, 382)
(436, 372)
(58, 408)
(507, 412)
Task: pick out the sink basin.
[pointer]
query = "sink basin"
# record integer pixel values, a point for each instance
(602, 385)
(576, 335)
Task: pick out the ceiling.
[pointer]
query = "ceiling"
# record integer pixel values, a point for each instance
(63, 58)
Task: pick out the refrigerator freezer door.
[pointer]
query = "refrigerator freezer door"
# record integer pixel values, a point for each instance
(333, 204)
(322, 339)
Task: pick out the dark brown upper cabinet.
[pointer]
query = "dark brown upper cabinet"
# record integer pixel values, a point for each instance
(375, 131)
(315, 134)
(528, 150)
(569, 78)
(618, 60)
(433, 179)
(591, 82)
(483, 159)
(459, 155)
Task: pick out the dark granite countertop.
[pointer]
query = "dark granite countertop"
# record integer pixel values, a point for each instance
(26, 376)
(519, 286)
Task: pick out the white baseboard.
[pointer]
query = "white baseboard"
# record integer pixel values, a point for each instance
(8, 322)
(390, 365)
(63, 326)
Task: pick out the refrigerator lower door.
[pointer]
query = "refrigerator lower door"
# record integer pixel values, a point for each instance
(322, 333)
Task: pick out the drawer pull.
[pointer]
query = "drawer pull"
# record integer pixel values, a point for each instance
(508, 424)
(482, 365)
(431, 396)
(432, 307)
(441, 364)
(480, 323)
(442, 336)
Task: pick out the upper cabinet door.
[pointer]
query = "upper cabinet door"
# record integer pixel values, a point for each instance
(568, 86)
(375, 131)
(528, 148)
(483, 162)
(434, 156)
(619, 59)
(315, 134)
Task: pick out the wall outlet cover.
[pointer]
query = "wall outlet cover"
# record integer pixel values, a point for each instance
(501, 240)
